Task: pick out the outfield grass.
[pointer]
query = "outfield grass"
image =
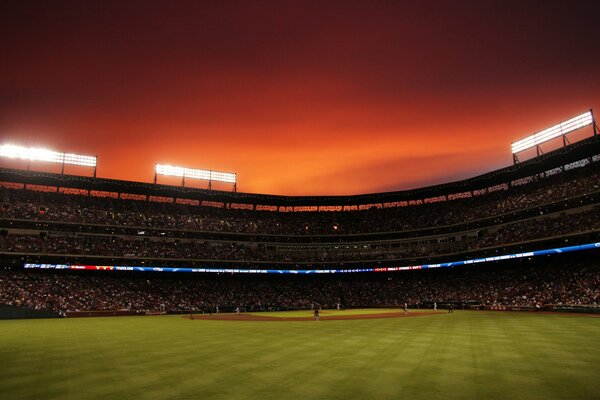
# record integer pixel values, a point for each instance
(467, 355)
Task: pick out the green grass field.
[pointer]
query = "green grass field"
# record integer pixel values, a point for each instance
(467, 355)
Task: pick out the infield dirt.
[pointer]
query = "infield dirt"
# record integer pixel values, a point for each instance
(254, 317)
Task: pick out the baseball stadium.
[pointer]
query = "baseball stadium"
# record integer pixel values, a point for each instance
(299, 200)
(487, 287)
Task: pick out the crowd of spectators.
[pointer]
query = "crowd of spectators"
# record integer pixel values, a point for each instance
(112, 246)
(31, 205)
(517, 232)
(152, 248)
(522, 285)
(88, 212)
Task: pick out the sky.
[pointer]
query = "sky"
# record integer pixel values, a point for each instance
(296, 97)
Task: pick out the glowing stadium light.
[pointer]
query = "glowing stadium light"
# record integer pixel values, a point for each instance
(555, 131)
(201, 174)
(169, 170)
(37, 154)
(222, 177)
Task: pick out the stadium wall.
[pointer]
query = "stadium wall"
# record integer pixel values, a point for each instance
(13, 312)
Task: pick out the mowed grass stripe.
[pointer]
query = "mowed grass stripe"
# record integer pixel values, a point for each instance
(467, 355)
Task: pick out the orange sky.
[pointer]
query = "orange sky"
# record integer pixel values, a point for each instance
(304, 97)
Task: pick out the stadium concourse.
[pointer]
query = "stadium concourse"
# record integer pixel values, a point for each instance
(55, 219)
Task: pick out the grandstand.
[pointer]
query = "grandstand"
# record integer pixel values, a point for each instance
(59, 221)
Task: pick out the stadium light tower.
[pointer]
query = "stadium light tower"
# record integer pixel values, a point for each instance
(37, 154)
(200, 174)
(558, 130)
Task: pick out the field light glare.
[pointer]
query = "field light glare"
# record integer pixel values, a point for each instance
(207, 175)
(555, 131)
(38, 154)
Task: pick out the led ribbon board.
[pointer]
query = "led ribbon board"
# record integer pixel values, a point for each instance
(535, 253)
(207, 175)
(37, 154)
(555, 131)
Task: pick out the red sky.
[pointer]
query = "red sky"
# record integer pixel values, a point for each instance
(306, 97)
